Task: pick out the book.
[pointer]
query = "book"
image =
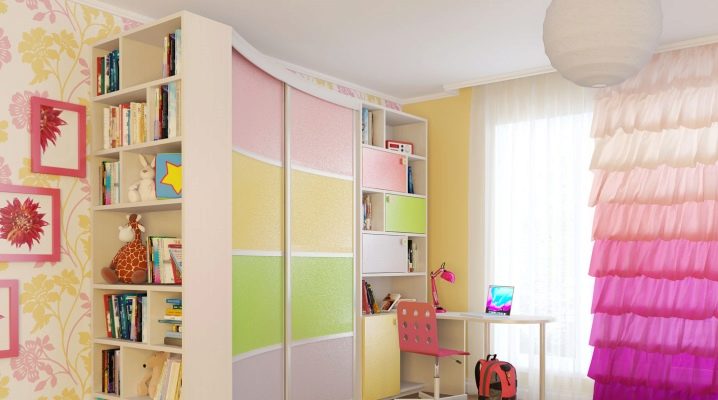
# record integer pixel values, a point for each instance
(176, 260)
(111, 371)
(168, 177)
(173, 341)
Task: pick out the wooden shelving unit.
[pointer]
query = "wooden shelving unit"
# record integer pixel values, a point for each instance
(204, 143)
(398, 218)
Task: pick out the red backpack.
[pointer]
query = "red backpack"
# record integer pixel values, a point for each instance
(495, 376)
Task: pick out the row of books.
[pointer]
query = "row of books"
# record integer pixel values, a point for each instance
(164, 255)
(136, 122)
(367, 123)
(110, 182)
(369, 304)
(125, 316)
(124, 125)
(111, 371)
(165, 115)
(108, 73)
(170, 383)
(172, 60)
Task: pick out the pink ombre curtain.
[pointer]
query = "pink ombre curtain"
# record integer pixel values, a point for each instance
(655, 254)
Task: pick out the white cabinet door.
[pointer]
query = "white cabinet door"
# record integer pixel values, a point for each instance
(384, 254)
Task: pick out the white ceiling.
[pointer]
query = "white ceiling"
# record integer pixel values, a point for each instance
(406, 48)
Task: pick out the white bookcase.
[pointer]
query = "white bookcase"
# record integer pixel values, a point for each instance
(201, 217)
(393, 227)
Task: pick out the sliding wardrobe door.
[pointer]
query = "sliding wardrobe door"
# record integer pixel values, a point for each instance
(321, 267)
(258, 234)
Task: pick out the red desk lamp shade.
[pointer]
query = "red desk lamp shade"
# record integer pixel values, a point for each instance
(446, 275)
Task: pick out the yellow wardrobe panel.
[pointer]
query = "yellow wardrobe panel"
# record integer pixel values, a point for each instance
(381, 367)
(258, 207)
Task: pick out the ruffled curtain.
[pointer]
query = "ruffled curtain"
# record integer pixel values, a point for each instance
(655, 254)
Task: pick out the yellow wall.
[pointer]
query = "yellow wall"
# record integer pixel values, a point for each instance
(449, 127)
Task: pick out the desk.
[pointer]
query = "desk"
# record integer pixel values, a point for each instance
(487, 320)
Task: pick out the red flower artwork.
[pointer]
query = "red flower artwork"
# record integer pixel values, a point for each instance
(50, 123)
(21, 224)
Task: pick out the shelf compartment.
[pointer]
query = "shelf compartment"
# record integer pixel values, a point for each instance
(146, 45)
(157, 223)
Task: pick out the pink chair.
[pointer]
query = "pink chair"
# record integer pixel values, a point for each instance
(418, 334)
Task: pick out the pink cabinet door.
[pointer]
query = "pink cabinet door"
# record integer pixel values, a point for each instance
(383, 170)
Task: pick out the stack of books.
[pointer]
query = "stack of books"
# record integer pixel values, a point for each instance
(173, 317)
(164, 255)
(111, 371)
(170, 384)
(108, 73)
(110, 182)
(165, 114)
(124, 125)
(125, 316)
(172, 60)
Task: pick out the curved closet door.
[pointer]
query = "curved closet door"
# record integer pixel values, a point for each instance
(258, 234)
(321, 266)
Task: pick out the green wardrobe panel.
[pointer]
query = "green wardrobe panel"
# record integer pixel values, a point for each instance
(405, 214)
(258, 298)
(321, 296)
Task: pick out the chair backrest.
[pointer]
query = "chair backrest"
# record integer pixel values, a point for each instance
(417, 328)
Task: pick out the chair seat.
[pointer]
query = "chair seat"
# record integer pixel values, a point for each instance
(443, 353)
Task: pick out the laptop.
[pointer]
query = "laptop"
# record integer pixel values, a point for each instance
(499, 300)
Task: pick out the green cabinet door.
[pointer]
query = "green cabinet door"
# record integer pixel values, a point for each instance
(405, 214)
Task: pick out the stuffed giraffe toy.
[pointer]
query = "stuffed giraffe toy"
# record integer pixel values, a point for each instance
(130, 263)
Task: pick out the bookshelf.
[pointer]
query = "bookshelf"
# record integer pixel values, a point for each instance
(199, 217)
(397, 223)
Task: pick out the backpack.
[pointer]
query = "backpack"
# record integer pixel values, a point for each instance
(495, 379)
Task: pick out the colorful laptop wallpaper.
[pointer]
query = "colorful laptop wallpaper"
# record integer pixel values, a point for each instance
(499, 300)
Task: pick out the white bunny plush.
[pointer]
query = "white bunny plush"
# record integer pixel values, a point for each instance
(144, 189)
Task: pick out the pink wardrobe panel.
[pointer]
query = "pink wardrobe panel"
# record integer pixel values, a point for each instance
(321, 135)
(383, 170)
(258, 110)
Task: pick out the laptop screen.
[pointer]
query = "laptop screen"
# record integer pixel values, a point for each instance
(499, 300)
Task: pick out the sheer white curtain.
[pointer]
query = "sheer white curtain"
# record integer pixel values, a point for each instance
(530, 152)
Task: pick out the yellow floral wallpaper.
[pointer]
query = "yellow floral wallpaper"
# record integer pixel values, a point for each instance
(45, 51)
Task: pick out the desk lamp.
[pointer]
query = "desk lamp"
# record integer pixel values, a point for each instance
(446, 275)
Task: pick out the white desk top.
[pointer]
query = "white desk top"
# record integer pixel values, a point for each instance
(490, 319)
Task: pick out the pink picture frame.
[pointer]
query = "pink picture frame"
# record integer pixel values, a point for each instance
(38, 239)
(9, 315)
(58, 137)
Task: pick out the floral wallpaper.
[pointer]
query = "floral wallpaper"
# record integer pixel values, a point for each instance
(347, 91)
(44, 51)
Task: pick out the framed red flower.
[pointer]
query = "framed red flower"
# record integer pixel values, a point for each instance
(58, 144)
(29, 223)
(9, 306)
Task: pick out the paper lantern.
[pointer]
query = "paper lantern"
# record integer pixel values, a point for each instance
(599, 43)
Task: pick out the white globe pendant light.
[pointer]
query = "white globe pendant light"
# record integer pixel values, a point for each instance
(598, 43)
